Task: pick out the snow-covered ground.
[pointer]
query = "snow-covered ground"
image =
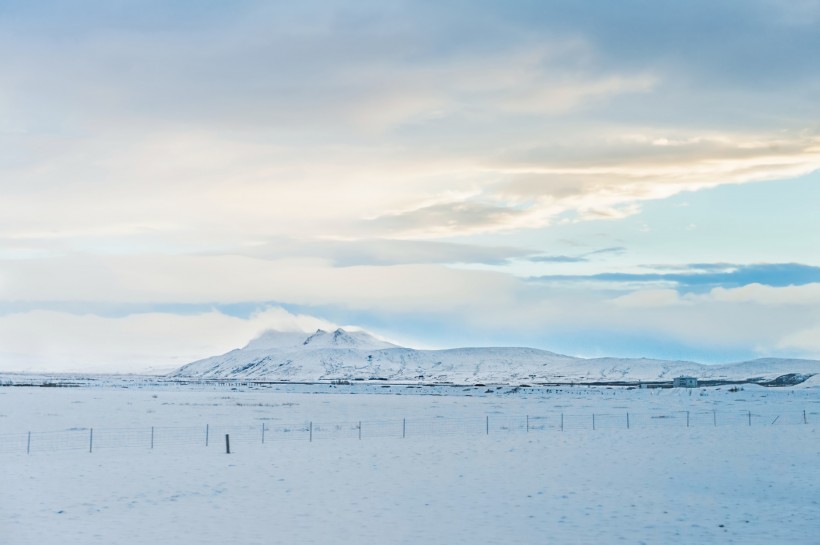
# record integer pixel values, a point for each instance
(666, 483)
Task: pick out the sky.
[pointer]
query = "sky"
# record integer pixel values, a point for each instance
(634, 179)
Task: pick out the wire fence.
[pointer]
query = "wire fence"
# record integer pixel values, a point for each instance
(91, 439)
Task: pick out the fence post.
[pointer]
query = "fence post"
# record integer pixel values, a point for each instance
(687, 419)
(487, 425)
(627, 420)
(360, 430)
(227, 444)
(528, 423)
(593, 421)
(804, 417)
(28, 443)
(152, 436)
(206, 435)
(562, 421)
(263, 433)
(310, 438)
(750, 418)
(714, 417)
(403, 428)
(91, 440)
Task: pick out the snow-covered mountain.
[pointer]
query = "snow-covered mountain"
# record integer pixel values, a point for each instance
(272, 340)
(357, 355)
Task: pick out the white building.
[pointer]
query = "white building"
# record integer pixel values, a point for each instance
(685, 382)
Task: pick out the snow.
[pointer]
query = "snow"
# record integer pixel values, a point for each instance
(813, 382)
(276, 339)
(664, 483)
(349, 339)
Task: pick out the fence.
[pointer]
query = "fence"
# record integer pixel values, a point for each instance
(91, 439)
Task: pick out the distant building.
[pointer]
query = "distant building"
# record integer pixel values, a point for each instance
(685, 382)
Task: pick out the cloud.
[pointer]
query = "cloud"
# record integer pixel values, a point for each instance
(552, 98)
(233, 279)
(362, 122)
(339, 156)
(692, 38)
(472, 307)
(558, 259)
(803, 294)
(700, 276)
(454, 218)
(754, 294)
(649, 298)
(42, 340)
(614, 250)
(806, 340)
(382, 252)
(582, 258)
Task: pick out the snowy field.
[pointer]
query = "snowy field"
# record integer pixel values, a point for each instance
(656, 482)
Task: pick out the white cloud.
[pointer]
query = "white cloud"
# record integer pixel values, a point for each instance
(125, 145)
(221, 134)
(650, 298)
(807, 294)
(806, 341)
(59, 341)
(477, 306)
(228, 279)
(552, 98)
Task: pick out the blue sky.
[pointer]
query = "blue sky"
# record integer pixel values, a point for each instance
(630, 179)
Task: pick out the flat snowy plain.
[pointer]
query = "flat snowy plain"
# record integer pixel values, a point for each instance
(663, 483)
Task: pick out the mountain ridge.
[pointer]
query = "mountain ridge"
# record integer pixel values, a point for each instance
(358, 355)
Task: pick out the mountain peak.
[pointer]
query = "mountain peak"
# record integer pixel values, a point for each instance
(341, 338)
(272, 339)
(314, 338)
